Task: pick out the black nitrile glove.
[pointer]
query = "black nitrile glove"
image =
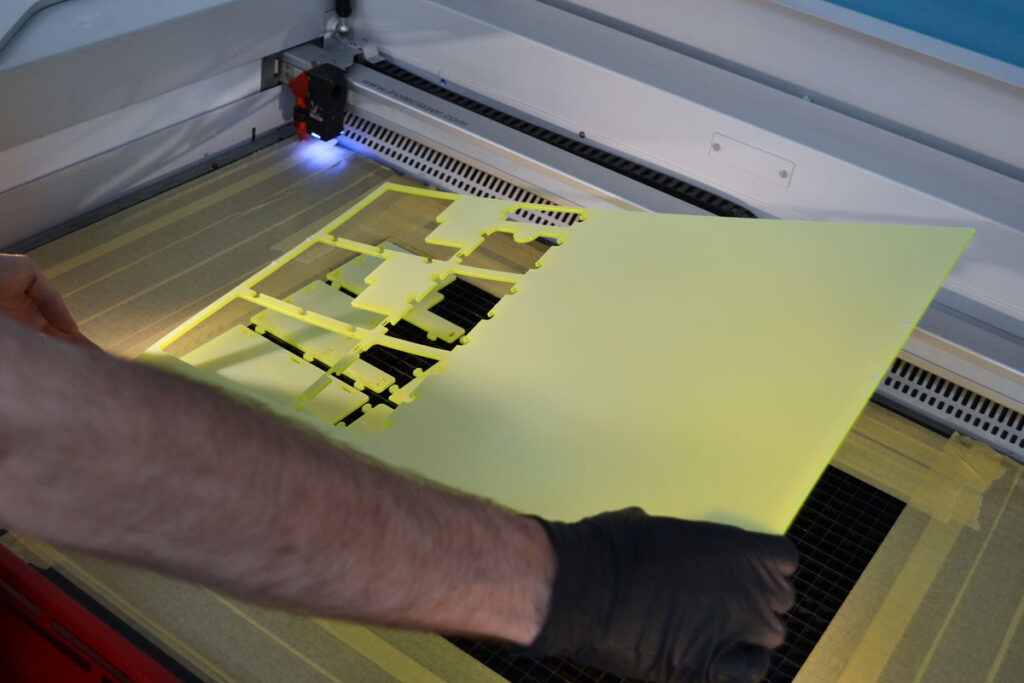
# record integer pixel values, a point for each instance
(665, 599)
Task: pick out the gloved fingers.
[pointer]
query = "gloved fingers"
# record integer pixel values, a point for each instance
(778, 564)
(768, 632)
(781, 595)
(741, 663)
(779, 553)
(773, 635)
(774, 586)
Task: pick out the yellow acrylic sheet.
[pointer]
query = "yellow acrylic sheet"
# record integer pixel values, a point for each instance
(706, 368)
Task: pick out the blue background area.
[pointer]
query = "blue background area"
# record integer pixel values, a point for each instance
(990, 27)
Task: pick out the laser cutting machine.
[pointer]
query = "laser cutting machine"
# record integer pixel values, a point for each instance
(847, 111)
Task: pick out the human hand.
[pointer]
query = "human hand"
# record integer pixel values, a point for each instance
(27, 297)
(665, 599)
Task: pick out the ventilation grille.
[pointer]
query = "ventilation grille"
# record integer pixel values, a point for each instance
(949, 403)
(438, 168)
(691, 194)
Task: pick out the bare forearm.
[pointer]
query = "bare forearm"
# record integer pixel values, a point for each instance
(123, 460)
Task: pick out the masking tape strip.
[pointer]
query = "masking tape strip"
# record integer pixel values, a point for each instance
(945, 478)
(989, 534)
(390, 659)
(1004, 646)
(288, 647)
(892, 617)
(880, 632)
(78, 257)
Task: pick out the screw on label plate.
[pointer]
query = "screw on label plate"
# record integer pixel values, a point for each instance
(783, 173)
(715, 147)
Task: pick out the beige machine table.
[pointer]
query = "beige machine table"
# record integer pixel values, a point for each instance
(942, 598)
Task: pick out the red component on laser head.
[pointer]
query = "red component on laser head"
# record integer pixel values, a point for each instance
(300, 88)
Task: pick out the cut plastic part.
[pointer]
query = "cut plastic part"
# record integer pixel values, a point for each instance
(465, 223)
(323, 345)
(352, 276)
(256, 363)
(372, 420)
(459, 226)
(705, 368)
(399, 282)
(334, 402)
(252, 361)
